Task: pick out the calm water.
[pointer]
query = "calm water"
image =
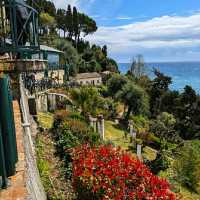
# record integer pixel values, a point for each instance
(185, 73)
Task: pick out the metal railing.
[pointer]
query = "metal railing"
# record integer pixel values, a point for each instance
(34, 184)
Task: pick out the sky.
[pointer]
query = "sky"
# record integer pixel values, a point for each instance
(160, 30)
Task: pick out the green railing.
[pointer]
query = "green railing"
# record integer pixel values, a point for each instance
(8, 146)
(18, 27)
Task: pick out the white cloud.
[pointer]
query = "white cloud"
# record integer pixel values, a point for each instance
(124, 18)
(161, 36)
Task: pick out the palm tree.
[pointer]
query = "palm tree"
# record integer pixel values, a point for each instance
(86, 98)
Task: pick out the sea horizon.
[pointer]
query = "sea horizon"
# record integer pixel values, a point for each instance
(182, 73)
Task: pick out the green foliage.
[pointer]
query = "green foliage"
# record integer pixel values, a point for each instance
(87, 25)
(75, 23)
(69, 21)
(111, 65)
(161, 163)
(47, 21)
(188, 114)
(116, 83)
(159, 86)
(187, 165)
(164, 127)
(60, 18)
(43, 165)
(44, 6)
(135, 98)
(104, 50)
(75, 26)
(140, 123)
(69, 56)
(87, 99)
(76, 116)
(70, 130)
(144, 82)
(108, 107)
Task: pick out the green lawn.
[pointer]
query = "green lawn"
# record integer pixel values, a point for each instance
(116, 135)
(45, 119)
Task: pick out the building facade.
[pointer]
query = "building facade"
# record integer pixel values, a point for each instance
(89, 79)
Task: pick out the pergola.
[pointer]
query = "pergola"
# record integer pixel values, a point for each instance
(19, 24)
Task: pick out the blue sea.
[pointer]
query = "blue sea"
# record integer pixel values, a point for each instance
(182, 73)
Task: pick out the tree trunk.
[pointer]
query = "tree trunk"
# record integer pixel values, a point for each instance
(128, 113)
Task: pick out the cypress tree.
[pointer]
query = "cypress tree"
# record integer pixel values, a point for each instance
(75, 24)
(69, 22)
(104, 50)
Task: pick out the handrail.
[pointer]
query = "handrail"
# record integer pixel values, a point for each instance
(26, 123)
(34, 184)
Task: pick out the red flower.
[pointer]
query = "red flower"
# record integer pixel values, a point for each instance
(113, 174)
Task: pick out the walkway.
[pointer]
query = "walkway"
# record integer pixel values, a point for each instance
(17, 190)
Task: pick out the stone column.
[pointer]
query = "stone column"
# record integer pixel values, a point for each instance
(44, 103)
(101, 126)
(139, 151)
(133, 134)
(93, 123)
(52, 102)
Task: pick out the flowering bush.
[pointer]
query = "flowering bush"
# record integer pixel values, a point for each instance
(105, 172)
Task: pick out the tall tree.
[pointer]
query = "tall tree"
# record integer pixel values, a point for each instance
(60, 18)
(86, 24)
(69, 22)
(159, 86)
(135, 99)
(104, 50)
(75, 24)
(116, 83)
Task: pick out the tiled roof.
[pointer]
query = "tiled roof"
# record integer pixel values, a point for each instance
(88, 75)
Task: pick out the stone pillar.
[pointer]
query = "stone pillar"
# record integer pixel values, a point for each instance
(133, 134)
(93, 123)
(44, 103)
(54, 106)
(101, 126)
(38, 103)
(52, 102)
(139, 151)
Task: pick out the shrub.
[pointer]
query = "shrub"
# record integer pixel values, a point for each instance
(76, 126)
(81, 131)
(140, 123)
(187, 166)
(105, 172)
(77, 116)
(72, 133)
(59, 117)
